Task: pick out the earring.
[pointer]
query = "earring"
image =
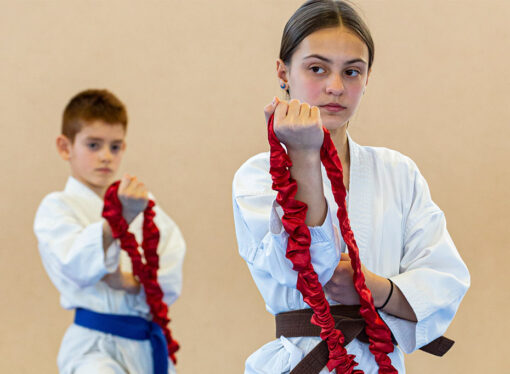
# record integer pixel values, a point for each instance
(283, 85)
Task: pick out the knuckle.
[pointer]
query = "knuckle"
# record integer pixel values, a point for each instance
(294, 102)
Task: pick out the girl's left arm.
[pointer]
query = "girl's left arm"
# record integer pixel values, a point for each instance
(432, 277)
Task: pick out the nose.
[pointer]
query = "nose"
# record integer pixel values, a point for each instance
(106, 155)
(335, 85)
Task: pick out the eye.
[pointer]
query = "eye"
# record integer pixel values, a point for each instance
(115, 148)
(352, 72)
(94, 146)
(317, 69)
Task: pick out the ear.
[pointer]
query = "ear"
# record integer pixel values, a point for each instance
(282, 71)
(64, 146)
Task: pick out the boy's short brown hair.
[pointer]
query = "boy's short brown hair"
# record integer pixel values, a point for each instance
(91, 105)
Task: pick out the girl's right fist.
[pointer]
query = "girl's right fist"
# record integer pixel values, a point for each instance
(298, 126)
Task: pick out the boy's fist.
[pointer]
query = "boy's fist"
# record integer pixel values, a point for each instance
(119, 280)
(133, 195)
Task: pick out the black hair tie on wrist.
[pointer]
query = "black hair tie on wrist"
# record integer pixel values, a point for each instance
(389, 296)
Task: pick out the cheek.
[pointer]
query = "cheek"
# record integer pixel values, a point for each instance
(116, 159)
(314, 89)
(356, 91)
(86, 158)
(307, 90)
(302, 86)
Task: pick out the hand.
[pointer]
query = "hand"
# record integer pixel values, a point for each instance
(133, 196)
(119, 280)
(341, 285)
(297, 125)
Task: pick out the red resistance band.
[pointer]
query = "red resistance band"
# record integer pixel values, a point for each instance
(298, 252)
(147, 273)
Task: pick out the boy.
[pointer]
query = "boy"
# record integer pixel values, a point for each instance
(79, 253)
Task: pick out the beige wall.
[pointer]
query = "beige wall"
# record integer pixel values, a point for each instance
(195, 76)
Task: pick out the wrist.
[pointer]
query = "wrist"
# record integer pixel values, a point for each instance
(305, 156)
(107, 236)
(130, 215)
(306, 166)
(379, 287)
(388, 298)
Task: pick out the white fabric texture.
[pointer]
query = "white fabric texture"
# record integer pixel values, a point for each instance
(68, 226)
(401, 234)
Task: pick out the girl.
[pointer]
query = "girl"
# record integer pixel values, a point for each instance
(410, 264)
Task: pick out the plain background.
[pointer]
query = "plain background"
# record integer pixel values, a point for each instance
(195, 76)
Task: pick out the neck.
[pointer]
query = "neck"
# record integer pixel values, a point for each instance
(98, 190)
(339, 137)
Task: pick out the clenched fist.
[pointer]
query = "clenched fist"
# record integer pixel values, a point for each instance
(297, 125)
(133, 196)
(120, 280)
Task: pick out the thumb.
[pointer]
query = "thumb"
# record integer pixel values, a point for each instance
(270, 108)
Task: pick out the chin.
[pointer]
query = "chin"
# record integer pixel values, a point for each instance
(333, 125)
(333, 121)
(104, 183)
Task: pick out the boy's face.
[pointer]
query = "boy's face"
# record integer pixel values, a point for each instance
(95, 154)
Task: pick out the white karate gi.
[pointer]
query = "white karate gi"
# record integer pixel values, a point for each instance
(68, 226)
(401, 235)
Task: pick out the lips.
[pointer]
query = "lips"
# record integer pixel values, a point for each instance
(104, 170)
(333, 107)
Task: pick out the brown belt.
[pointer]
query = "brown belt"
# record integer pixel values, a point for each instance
(348, 319)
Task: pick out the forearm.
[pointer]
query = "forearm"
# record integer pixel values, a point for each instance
(306, 170)
(107, 236)
(397, 304)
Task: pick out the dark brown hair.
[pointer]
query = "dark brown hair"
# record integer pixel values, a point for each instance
(91, 105)
(315, 15)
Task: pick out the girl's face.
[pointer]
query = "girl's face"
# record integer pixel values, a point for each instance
(328, 69)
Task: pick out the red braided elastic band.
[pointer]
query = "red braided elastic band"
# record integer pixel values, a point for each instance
(147, 273)
(298, 252)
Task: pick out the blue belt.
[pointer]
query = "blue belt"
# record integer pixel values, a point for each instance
(129, 327)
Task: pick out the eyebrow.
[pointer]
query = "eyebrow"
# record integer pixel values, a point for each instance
(325, 59)
(91, 138)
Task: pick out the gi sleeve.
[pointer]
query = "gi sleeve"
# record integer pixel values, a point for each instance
(262, 241)
(72, 252)
(433, 277)
(171, 250)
